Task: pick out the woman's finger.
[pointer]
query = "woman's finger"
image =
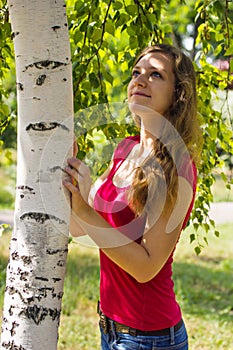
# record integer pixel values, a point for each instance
(74, 190)
(75, 148)
(81, 168)
(75, 163)
(72, 172)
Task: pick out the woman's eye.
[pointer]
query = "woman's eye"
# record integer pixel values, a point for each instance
(135, 73)
(156, 74)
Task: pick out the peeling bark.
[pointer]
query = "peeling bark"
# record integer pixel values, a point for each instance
(39, 244)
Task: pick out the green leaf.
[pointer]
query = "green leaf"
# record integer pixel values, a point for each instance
(78, 36)
(131, 10)
(117, 5)
(123, 18)
(197, 250)
(218, 49)
(83, 26)
(107, 76)
(96, 35)
(133, 42)
(110, 28)
(192, 237)
(79, 5)
(229, 51)
(94, 80)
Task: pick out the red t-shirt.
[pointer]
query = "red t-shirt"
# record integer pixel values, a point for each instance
(145, 306)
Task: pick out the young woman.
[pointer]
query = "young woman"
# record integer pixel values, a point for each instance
(135, 212)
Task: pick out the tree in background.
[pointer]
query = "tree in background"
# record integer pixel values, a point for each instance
(39, 245)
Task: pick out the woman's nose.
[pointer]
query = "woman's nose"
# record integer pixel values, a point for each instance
(140, 80)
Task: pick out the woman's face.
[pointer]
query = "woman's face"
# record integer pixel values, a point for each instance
(152, 83)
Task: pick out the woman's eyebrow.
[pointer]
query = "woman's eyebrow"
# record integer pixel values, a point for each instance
(151, 68)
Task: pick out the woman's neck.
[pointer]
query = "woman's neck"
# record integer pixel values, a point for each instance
(146, 140)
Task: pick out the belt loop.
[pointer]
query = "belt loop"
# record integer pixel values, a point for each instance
(113, 329)
(132, 332)
(172, 334)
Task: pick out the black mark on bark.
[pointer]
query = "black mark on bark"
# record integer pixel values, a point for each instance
(14, 34)
(43, 126)
(38, 314)
(4, 320)
(15, 256)
(55, 168)
(36, 98)
(55, 251)
(42, 293)
(55, 28)
(42, 279)
(23, 274)
(24, 187)
(56, 279)
(40, 218)
(26, 259)
(25, 190)
(46, 64)
(10, 311)
(40, 80)
(60, 295)
(11, 290)
(19, 86)
(14, 325)
(12, 346)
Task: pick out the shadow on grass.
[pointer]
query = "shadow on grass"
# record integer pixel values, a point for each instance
(204, 290)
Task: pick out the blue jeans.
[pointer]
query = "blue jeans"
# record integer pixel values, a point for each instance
(120, 341)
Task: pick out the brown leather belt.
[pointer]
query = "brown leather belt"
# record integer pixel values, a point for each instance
(106, 325)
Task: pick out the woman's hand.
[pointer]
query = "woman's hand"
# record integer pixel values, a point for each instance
(79, 190)
(80, 182)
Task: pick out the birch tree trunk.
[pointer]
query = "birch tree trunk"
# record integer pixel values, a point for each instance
(38, 251)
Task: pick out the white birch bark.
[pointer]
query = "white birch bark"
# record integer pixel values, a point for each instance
(38, 251)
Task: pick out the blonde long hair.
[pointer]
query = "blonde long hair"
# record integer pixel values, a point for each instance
(161, 166)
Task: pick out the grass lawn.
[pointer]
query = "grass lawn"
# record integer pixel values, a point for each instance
(7, 188)
(204, 288)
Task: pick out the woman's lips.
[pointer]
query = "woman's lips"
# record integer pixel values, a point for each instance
(139, 93)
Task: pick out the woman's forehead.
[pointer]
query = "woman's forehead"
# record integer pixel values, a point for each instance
(157, 60)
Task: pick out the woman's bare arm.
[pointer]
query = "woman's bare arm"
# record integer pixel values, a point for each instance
(142, 261)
